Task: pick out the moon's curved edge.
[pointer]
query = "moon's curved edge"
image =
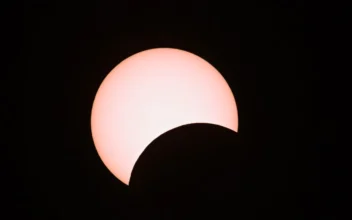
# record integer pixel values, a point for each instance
(184, 125)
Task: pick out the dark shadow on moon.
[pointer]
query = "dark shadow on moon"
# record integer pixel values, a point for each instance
(189, 157)
(197, 169)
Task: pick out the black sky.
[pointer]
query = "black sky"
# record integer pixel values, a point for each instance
(270, 54)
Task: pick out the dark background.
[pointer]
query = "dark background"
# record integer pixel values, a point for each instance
(272, 55)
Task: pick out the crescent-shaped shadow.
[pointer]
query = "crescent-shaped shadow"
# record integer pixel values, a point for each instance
(195, 165)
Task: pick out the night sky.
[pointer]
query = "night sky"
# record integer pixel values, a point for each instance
(270, 55)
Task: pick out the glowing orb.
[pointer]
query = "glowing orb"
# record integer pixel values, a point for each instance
(150, 93)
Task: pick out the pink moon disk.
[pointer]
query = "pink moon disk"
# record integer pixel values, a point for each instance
(150, 93)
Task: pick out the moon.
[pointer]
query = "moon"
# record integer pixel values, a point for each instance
(150, 93)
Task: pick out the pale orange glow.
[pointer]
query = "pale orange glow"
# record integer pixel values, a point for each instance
(150, 93)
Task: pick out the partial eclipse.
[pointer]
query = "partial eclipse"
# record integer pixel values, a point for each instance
(150, 93)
